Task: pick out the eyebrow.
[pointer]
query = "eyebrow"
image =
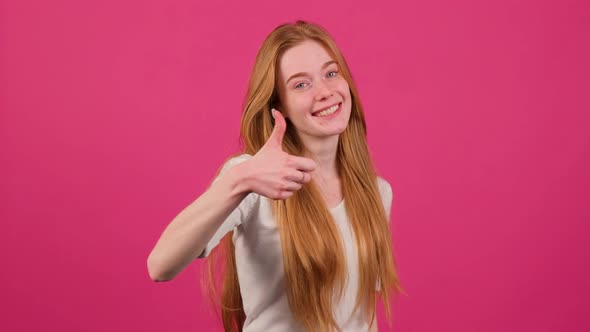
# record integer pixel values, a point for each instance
(305, 74)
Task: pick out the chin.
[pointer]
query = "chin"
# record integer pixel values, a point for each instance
(334, 132)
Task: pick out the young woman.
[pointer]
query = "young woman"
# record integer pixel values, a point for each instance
(302, 212)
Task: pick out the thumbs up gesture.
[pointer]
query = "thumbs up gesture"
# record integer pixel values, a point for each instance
(273, 173)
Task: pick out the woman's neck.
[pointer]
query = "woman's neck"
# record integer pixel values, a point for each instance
(326, 175)
(323, 152)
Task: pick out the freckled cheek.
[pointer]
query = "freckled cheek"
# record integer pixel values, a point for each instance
(342, 88)
(294, 104)
(301, 107)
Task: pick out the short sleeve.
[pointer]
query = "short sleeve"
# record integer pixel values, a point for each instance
(387, 198)
(238, 215)
(386, 195)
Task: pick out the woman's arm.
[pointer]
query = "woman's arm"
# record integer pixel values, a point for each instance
(271, 173)
(188, 233)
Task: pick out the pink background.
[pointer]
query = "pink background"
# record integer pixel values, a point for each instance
(116, 114)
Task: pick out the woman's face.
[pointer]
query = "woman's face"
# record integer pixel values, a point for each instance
(313, 95)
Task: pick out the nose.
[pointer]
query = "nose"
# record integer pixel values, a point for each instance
(322, 91)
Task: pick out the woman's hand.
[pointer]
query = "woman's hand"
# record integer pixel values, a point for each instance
(272, 172)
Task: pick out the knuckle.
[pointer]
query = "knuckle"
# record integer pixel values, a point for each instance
(283, 175)
(282, 187)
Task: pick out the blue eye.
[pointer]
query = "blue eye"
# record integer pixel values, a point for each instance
(300, 85)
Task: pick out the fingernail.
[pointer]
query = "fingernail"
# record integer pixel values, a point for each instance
(272, 112)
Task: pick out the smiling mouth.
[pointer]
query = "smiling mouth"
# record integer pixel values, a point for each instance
(327, 111)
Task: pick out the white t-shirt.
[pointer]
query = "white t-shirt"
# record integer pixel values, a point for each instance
(259, 262)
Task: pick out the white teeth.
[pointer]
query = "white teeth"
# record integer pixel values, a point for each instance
(328, 111)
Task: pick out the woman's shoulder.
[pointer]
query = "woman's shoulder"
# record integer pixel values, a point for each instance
(235, 159)
(251, 200)
(231, 162)
(386, 194)
(383, 185)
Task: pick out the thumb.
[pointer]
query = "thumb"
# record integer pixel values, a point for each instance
(276, 138)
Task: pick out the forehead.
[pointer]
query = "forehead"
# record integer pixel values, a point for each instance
(305, 57)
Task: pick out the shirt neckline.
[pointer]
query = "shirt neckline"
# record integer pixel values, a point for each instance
(337, 206)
